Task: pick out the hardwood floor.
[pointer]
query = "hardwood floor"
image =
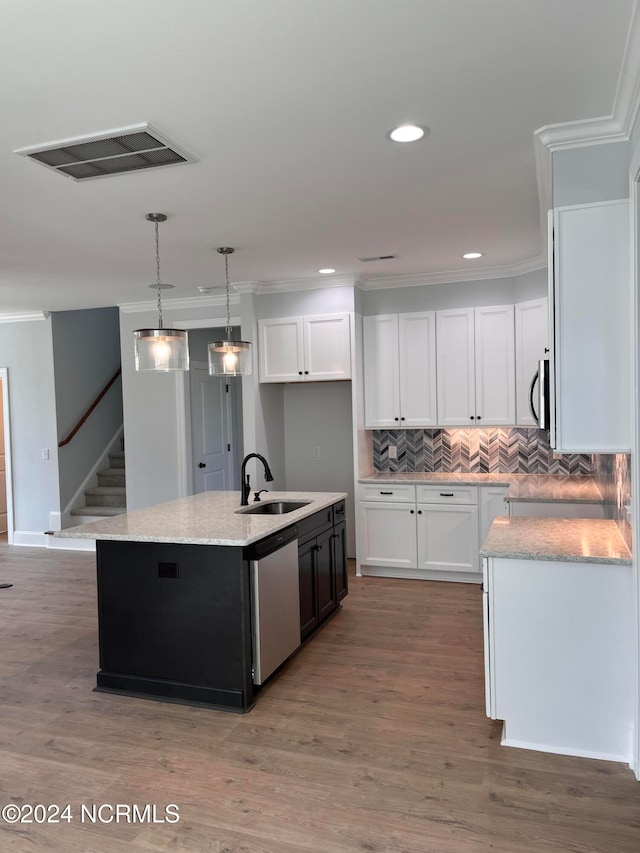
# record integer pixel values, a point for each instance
(373, 738)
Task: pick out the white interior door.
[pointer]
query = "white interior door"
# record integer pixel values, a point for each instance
(211, 431)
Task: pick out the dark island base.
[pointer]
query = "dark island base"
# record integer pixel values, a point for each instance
(176, 694)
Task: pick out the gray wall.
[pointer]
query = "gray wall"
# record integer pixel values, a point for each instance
(26, 349)
(86, 354)
(591, 173)
(328, 300)
(318, 414)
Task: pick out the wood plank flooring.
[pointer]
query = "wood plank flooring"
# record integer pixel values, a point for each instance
(373, 738)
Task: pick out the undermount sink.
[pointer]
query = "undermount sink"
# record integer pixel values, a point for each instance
(273, 507)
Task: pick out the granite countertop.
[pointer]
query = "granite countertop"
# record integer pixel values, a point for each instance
(542, 488)
(566, 540)
(211, 518)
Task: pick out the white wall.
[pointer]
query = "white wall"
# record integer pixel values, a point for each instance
(26, 350)
(318, 414)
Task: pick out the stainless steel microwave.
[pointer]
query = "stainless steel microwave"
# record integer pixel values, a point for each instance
(539, 395)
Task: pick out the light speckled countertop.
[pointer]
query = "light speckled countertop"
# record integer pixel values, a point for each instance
(564, 539)
(541, 488)
(210, 518)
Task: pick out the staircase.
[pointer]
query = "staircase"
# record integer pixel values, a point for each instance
(109, 496)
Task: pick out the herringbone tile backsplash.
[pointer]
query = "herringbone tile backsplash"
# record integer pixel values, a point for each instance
(482, 451)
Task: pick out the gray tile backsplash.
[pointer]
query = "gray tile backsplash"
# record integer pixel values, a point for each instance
(482, 451)
(612, 473)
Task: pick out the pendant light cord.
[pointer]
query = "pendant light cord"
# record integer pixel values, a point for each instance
(160, 326)
(226, 274)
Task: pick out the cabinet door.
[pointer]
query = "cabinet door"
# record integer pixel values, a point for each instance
(491, 504)
(455, 368)
(339, 554)
(417, 363)
(381, 384)
(280, 350)
(325, 578)
(327, 347)
(388, 535)
(448, 538)
(308, 588)
(495, 366)
(532, 341)
(592, 334)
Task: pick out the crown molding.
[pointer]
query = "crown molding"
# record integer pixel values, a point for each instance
(208, 301)
(453, 276)
(297, 284)
(26, 317)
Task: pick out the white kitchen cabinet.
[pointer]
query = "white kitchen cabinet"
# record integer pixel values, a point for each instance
(532, 344)
(557, 665)
(388, 534)
(428, 532)
(492, 504)
(590, 291)
(476, 366)
(447, 537)
(305, 349)
(400, 370)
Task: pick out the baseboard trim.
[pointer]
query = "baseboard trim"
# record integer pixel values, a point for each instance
(418, 574)
(29, 539)
(71, 544)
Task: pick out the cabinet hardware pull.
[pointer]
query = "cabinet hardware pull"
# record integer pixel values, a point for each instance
(419, 512)
(202, 464)
(299, 373)
(446, 494)
(396, 419)
(472, 417)
(412, 511)
(306, 372)
(478, 417)
(386, 493)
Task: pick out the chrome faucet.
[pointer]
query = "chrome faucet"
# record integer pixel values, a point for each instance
(244, 477)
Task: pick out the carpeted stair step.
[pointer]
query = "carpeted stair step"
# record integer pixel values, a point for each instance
(116, 459)
(111, 477)
(106, 496)
(98, 510)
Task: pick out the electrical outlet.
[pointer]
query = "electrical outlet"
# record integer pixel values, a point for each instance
(393, 451)
(45, 453)
(316, 452)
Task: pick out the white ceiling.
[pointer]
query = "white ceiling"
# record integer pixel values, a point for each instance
(285, 104)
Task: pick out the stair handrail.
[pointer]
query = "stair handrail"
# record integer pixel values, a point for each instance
(91, 408)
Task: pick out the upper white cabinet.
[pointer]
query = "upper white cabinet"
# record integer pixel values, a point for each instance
(532, 342)
(476, 372)
(305, 349)
(591, 359)
(400, 370)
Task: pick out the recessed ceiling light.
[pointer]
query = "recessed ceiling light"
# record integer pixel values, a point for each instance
(472, 255)
(326, 271)
(408, 133)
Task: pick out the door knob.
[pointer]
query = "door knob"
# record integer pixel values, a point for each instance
(202, 465)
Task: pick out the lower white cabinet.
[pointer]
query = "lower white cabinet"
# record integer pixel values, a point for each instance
(447, 537)
(492, 504)
(388, 534)
(558, 670)
(430, 532)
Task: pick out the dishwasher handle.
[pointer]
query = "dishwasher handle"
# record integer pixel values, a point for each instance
(267, 546)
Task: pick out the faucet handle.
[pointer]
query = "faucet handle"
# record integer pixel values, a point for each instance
(256, 495)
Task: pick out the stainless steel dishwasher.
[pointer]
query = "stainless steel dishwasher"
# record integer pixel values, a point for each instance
(275, 601)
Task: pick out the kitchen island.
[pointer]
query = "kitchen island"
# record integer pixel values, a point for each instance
(179, 618)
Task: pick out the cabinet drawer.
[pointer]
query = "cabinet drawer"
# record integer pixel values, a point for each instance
(339, 510)
(391, 493)
(447, 495)
(315, 524)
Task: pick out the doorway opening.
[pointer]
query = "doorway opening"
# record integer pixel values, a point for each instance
(215, 416)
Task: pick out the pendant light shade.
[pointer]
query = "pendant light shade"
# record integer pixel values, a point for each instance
(160, 349)
(229, 357)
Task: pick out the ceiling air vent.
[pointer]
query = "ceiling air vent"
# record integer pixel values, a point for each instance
(111, 152)
(378, 258)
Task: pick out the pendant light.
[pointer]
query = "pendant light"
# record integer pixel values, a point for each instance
(229, 358)
(160, 349)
